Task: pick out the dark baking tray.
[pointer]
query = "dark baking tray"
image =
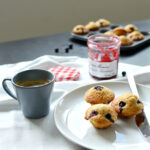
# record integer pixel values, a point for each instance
(135, 45)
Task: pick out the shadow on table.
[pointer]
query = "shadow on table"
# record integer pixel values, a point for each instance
(134, 50)
(80, 42)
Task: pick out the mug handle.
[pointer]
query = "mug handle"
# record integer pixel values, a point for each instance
(7, 89)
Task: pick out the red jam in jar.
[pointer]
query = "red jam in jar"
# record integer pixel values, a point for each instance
(103, 55)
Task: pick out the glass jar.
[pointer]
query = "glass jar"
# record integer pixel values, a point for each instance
(103, 56)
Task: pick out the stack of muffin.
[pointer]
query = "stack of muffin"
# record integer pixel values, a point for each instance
(127, 34)
(105, 108)
(91, 26)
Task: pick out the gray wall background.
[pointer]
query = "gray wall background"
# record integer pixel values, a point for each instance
(20, 19)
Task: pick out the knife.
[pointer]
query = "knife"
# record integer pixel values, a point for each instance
(140, 119)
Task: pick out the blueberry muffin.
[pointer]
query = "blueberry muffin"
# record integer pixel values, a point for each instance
(127, 105)
(101, 115)
(99, 95)
(103, 22)
(108, 33)
(130, 28)
(125, 40)
(80, 29)
(136, 36)
(92, 26)
(119, 31)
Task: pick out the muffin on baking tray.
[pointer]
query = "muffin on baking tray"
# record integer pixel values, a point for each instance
(136, 36)
(101, 115)
(130, 28)
(92, 26)
(103, 22)
(99, 95)
(125, 41)
(80, 29)
(119, 31)
(127, 105)
(108, 33)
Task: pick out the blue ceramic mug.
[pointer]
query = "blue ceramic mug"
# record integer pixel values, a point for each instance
(34, 100)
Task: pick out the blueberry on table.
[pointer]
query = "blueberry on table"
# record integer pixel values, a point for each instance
(123, 73)
(70, 46)
(56, 50)
(67, 50)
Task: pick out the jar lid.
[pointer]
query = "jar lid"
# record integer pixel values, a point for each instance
(65, 73)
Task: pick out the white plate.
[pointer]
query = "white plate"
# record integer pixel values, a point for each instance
(69, 118)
